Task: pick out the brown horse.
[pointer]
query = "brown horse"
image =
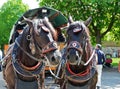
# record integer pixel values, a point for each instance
(80, 69)
(25, 60)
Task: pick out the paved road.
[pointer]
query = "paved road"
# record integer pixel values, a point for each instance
(110, 79)
(2, 83)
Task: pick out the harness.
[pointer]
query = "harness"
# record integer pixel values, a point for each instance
(31, 74)
(77, 79)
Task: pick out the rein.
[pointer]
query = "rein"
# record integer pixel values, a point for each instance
(49, 47)
(85, 64)
(59, 67)
(84, 75)
(91, 57)
(26, 52)
(76, 45)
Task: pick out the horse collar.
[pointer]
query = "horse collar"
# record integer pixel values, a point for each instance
(20, 69)
(80, 79)
(28, 73)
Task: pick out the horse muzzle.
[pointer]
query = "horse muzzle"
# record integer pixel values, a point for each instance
(74, 57)
(55, 59)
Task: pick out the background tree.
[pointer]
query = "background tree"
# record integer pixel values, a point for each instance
(105, 14)
(9, 14)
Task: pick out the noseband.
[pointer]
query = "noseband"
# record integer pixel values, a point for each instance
(88, 72)
(81, 48)
(75, 45)
(49, 47)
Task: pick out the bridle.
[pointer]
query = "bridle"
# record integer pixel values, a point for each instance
(51, 46)
(82, 48)
(75, 45)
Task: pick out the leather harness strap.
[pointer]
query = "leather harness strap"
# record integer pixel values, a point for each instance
(30, 68)
(85, 72)
(80, 79)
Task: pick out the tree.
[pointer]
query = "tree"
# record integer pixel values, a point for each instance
(105, 14)
(9, 14)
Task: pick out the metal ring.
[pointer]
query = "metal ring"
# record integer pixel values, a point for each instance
(28, 37)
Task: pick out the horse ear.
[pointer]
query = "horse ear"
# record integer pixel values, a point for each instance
(45, 29)
(50, 26)
(28, 21)
(70, 20)
(88, 21)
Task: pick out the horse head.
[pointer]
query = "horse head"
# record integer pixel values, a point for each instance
(77, 41)
(41, 38)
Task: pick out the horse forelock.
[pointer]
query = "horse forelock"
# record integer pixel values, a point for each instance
(85, 28)
(39, 22)
(36, 23)
(79, 23)
(52, 30)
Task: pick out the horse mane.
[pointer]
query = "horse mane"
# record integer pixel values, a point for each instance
(89, 47)
(79, 23)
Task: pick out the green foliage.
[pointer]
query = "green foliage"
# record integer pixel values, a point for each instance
(9, 14)
(113, 35)
(115, 61)
(105, 14)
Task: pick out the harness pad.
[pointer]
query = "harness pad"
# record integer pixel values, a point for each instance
(26, 85)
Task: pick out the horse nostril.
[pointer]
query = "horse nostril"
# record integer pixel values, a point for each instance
(68, 56)
(53, 59)
(76, 58)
